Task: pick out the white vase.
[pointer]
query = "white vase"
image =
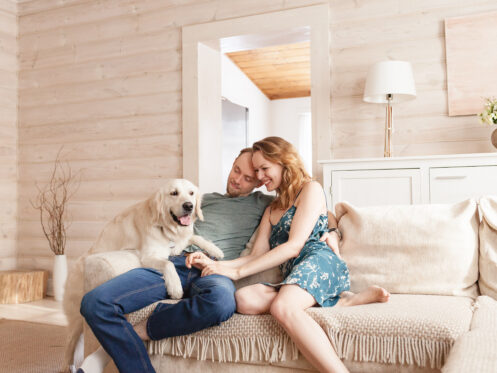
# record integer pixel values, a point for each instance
(59, 276)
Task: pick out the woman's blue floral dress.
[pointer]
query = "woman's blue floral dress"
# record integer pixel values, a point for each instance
(317, 269)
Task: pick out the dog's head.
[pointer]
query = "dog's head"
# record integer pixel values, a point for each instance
(177, 202)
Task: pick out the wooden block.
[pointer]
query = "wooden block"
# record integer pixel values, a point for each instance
(20, 286)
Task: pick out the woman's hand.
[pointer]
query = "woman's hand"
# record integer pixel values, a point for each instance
(198, 260)
(217, 268)
(331, 240)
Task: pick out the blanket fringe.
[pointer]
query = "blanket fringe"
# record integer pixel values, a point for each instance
(380, 349)
(390, 350)
(232, 349)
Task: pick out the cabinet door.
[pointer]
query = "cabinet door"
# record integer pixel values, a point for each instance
(454, 184)
(376, 187)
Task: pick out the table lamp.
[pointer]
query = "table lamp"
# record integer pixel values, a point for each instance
(389, 82)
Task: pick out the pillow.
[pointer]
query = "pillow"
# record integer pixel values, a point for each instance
(488, 247)
(413, 249)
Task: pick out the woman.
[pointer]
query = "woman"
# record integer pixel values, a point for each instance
(289, 236)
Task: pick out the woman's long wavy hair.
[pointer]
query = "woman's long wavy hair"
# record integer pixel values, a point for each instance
(294, 175)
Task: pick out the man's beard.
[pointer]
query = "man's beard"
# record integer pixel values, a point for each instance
(232, 192)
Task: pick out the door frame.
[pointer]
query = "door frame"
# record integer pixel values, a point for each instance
(198, 88)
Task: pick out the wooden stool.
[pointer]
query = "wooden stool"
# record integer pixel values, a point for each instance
(22, 285)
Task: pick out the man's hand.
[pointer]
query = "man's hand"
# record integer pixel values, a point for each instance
(198, 260)
(331, 240)
(217, 268)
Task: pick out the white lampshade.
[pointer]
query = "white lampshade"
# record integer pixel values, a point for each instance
(389, 77)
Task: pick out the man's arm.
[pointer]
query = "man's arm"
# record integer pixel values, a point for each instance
(332, 238)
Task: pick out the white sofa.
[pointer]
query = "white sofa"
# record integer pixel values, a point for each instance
(438, 261)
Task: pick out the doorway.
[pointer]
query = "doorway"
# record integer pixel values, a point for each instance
(235, 131)
(202, 87)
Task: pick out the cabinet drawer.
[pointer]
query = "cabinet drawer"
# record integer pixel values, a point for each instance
(454, 184)
(376, 187)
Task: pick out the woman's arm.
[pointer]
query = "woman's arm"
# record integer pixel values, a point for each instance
(310, 205)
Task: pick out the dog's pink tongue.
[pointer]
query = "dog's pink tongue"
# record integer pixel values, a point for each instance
(185, 219)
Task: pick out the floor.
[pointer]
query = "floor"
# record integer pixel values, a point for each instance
(45, 311)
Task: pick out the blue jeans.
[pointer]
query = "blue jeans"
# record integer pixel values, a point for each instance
(207, 301)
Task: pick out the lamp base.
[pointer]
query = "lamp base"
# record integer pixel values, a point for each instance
(388, 150)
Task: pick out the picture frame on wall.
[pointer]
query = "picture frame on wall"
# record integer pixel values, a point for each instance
(471, 59)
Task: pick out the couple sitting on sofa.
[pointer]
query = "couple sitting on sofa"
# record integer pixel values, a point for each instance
(291, 234)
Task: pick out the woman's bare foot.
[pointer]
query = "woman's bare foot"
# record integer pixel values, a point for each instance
(373, 294)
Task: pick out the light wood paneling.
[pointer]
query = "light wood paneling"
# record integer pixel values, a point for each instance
(104, 80)
(8, 134)
(282, 71)
(367, 32)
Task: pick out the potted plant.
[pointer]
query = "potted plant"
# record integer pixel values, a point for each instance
(51, 202)
(489, 117)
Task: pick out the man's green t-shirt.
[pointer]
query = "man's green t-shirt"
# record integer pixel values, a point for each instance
(229, 222)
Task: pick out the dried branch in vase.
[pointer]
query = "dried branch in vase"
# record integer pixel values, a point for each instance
(52, 201)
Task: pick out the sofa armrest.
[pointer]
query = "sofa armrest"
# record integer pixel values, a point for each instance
(101, 267)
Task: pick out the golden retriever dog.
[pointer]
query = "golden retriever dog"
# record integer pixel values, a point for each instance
(156, 228)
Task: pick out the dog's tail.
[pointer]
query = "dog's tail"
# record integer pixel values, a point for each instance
(73, 295)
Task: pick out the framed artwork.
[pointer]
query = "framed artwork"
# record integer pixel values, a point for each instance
(471, 56)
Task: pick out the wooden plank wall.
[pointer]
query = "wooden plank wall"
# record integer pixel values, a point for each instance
(103, 78)
(8, 134)
(364, 32)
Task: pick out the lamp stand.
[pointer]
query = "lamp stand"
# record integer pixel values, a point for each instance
(388, 128)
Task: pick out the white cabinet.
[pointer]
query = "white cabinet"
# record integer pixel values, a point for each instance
(377, 187)
(449, 184)
(410, 180)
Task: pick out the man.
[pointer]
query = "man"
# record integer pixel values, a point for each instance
(229, 222)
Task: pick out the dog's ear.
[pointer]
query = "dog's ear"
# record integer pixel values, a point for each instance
(157, 206)
(198, 210)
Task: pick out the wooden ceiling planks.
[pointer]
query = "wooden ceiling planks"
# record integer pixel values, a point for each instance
(282, 71)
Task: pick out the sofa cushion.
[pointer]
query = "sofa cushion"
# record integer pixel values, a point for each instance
(473, 352)
(485, 315)
(416, 249)
(488, 247)
(409, 329)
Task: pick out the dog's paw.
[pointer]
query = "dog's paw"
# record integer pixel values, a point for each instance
(218, 254)
(214, 251)
(175, 292)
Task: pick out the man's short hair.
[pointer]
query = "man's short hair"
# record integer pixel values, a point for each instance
(245, 150)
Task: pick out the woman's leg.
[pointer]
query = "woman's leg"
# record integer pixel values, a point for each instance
(288, 308)
(255, 299)
(372, 294)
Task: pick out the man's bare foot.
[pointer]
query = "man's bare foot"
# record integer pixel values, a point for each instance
(373, 294)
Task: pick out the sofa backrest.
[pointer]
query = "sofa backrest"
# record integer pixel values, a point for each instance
(412, 249)
(488, 247)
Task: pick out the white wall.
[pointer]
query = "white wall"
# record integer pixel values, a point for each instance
(239, 89)
(290, 119)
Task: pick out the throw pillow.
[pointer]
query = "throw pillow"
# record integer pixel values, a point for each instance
(413, 249)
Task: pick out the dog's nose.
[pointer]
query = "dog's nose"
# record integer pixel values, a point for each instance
(188, 206)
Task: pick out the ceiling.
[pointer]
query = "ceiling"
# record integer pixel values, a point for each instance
(282, 71)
